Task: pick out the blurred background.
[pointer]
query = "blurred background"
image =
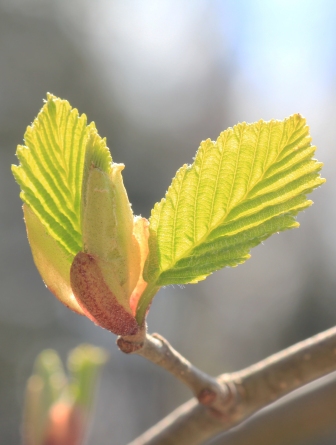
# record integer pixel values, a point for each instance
(157, 78)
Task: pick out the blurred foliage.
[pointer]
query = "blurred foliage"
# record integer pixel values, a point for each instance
(58, 406)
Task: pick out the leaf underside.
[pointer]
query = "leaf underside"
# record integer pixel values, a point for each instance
(241, 189)
(51, 169)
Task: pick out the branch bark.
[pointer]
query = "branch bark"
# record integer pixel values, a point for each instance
(241, 393)
(208, 390)
(303, 416)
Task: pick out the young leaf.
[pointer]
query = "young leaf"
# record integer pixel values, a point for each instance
(108, 220)
(52, 261)
(241, 189)
(51, 170)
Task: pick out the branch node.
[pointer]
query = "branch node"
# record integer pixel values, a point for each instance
(206, 397)
(130, 344)
(128, 347)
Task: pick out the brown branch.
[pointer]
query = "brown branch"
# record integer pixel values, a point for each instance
(190, 424)
(285, 371)
(156, 349)
(254, 388)
(299, 417)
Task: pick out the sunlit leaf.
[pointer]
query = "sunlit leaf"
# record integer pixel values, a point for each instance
(52, 261)
(51, 170)
(241, 189)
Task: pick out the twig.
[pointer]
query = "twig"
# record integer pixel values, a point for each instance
(256, 387)
(208, 390)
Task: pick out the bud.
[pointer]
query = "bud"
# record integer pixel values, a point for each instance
(43, 390)
(58, 408)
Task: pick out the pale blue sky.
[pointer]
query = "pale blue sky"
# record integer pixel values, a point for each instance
(284, 47)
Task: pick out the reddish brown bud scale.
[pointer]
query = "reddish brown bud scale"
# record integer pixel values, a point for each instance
(96, 299)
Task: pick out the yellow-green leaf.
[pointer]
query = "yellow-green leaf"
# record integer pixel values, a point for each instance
(108, 221)
(51, 170)
(52, 261)
(241, 189)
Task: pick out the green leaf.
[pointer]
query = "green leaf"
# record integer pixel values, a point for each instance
(241, 189)
(51, 170)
